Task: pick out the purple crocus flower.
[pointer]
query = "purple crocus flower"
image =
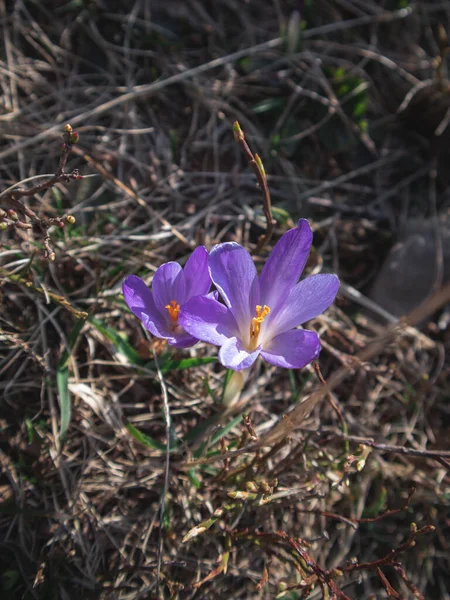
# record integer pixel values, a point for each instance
(260, 313)
(172, 286)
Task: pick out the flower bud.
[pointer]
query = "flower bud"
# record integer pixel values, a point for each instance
(68, 128)
(266, 487)
(260, 164)
(3, 226)
(238, 133)
(251, 486)
(13, 215)
(238, 495)
(74, 137)
(70, 219)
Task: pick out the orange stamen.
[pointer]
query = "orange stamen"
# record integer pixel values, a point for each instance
(173, 309)
(255, 326)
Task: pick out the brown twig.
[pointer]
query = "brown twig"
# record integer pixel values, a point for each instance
(334, 406)
(14, 277)
(354, 522)
(249, 426)
(326, 578)
(440, 455)
(10, 198)
(256, 164)
(389, 559)
(289, 422)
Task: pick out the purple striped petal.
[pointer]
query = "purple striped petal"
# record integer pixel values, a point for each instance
(182, 340)
(196, 274)
(207, 320)
(234, 355)
(140, 301)
(168, 284)
(285, 264)
(306, 300)
(292, 349)
(234, 274)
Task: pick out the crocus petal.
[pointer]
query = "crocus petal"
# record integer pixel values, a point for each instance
(196, 274)
(214, 295)
(234, 355)
(207, 320)
(305, 301)
(140, 301)
(285, 264)
(293, 349)
(182, 340)
(168, 284)
(234, 274)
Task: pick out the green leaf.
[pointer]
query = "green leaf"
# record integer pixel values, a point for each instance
(166, 364)
(62, 380)
(147, 440)
(65, 405)
(360, 108)
(281, 216)
(226, 381)
(9, 579)
(197, 431)
(216, 437)
(224, 430)
(192, 475)
(210, 391)
(185, 363)
(120, 344)
(269, 105)
(293, 383)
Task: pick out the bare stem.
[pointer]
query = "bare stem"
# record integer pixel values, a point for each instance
(256, 164)
(10, 198)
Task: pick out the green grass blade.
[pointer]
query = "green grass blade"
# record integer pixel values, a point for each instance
(120, 344)
(166, 363)
(62, 380)
(147, 440)
(224, 430)
(65, 405)
(186, 363)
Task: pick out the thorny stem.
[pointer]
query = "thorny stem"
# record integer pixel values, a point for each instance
(11, 198)
(256, 164)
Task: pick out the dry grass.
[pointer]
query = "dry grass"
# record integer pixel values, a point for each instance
(344, 117)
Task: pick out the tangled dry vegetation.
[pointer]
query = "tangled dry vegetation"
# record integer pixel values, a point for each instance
(335, 482)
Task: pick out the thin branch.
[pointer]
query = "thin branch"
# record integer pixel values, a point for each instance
(10, 198)
(256, 164)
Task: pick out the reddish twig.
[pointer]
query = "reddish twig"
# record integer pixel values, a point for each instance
(442, 456)
(256, 164)
(10, 198)
(326, 578)
(389, 559)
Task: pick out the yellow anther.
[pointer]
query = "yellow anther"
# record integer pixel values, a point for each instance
(173, 309)
(261, 312)
(255, 326)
